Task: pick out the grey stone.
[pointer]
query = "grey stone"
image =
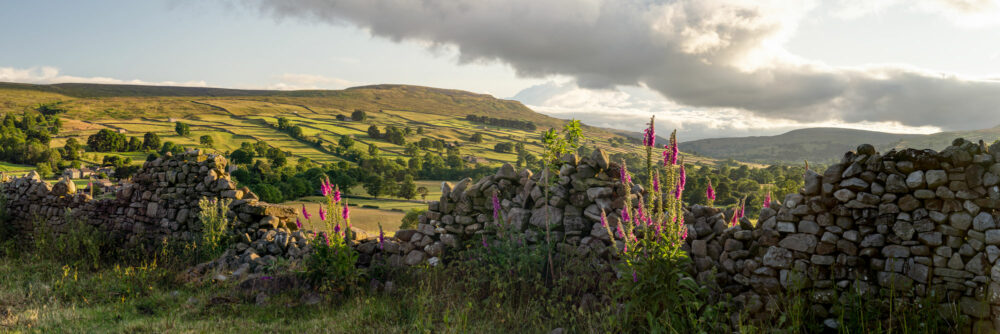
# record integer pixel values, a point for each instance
(960, 220)
(915, 180)
(799, 242)
(777, 257)
(983, 221)
(936, 178)
(896, 184)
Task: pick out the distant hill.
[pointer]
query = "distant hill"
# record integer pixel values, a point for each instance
(234, 116)
(823, 145)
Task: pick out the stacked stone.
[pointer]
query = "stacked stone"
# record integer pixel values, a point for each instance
(719, 252)
(576, 196)
(918, 222)
(160, 202)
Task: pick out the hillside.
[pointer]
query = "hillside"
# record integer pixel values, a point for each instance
(233, 116)
(823, 145)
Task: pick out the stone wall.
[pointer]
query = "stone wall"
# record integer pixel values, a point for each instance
(159, 203)
(919, 223)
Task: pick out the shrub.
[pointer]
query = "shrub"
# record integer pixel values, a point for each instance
(410, 220)
(77, 244)
(215, 225)
(331, 266)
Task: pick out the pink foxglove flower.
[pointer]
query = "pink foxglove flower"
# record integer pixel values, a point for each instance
(621, 233)
(767, 200)
(336, 195)
(336, 229)
(322, 214)
(649, 135)
(684, 233)
(485, 245)
(656, 182)
(625, 216)
(682, 179)
(346, 214)
(710, 192)
(326, 239)
(381, 237)
(496, 206)
(674, 152)
(625, 177)
(305, 213)
(604, 220)
(298, 223)
(635, 278)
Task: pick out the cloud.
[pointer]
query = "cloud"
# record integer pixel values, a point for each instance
(963, 13)
(712, 54)
(628, 107)
(298, 81)
(51, 75)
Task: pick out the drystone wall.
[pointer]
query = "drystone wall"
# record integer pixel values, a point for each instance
(920, 224)
(159, 203)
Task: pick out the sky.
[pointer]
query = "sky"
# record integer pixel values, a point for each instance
(709, 68)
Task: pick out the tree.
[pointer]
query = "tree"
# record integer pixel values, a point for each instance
(346, 141)
(134, 144)
(420, 130)
(373, 132)
(283, 123)
(207, 141)
(422, 191)
(72, 149)
(373, 150)
(171, 147)
(44, 170)
(151, 141)
(476, 138)
(408, 189)
(374, 185)
(359, 115)
(182, 129)
(106, 140)
(295, 131)
(503, 147)
(242, 156)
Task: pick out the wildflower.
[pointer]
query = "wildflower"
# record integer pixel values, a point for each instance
(684, 233)
(485, 245)
(625, 216)
(305, 213)
(496, 206)
(346, 214)
(326, 238)
(674, 153)
(381, 237)
(710, 192)
(635, 278)
(649, 135)
(264, 278)
(682, 179)
(678, 191)
(621, 233)
(323, 189)
(336, 229)
(767, 200)
(625, 177)
(298, 223)
(743, 208)
(656, 182)
(625, 250)
(638, 211)
(322, 214)
(336, 195)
